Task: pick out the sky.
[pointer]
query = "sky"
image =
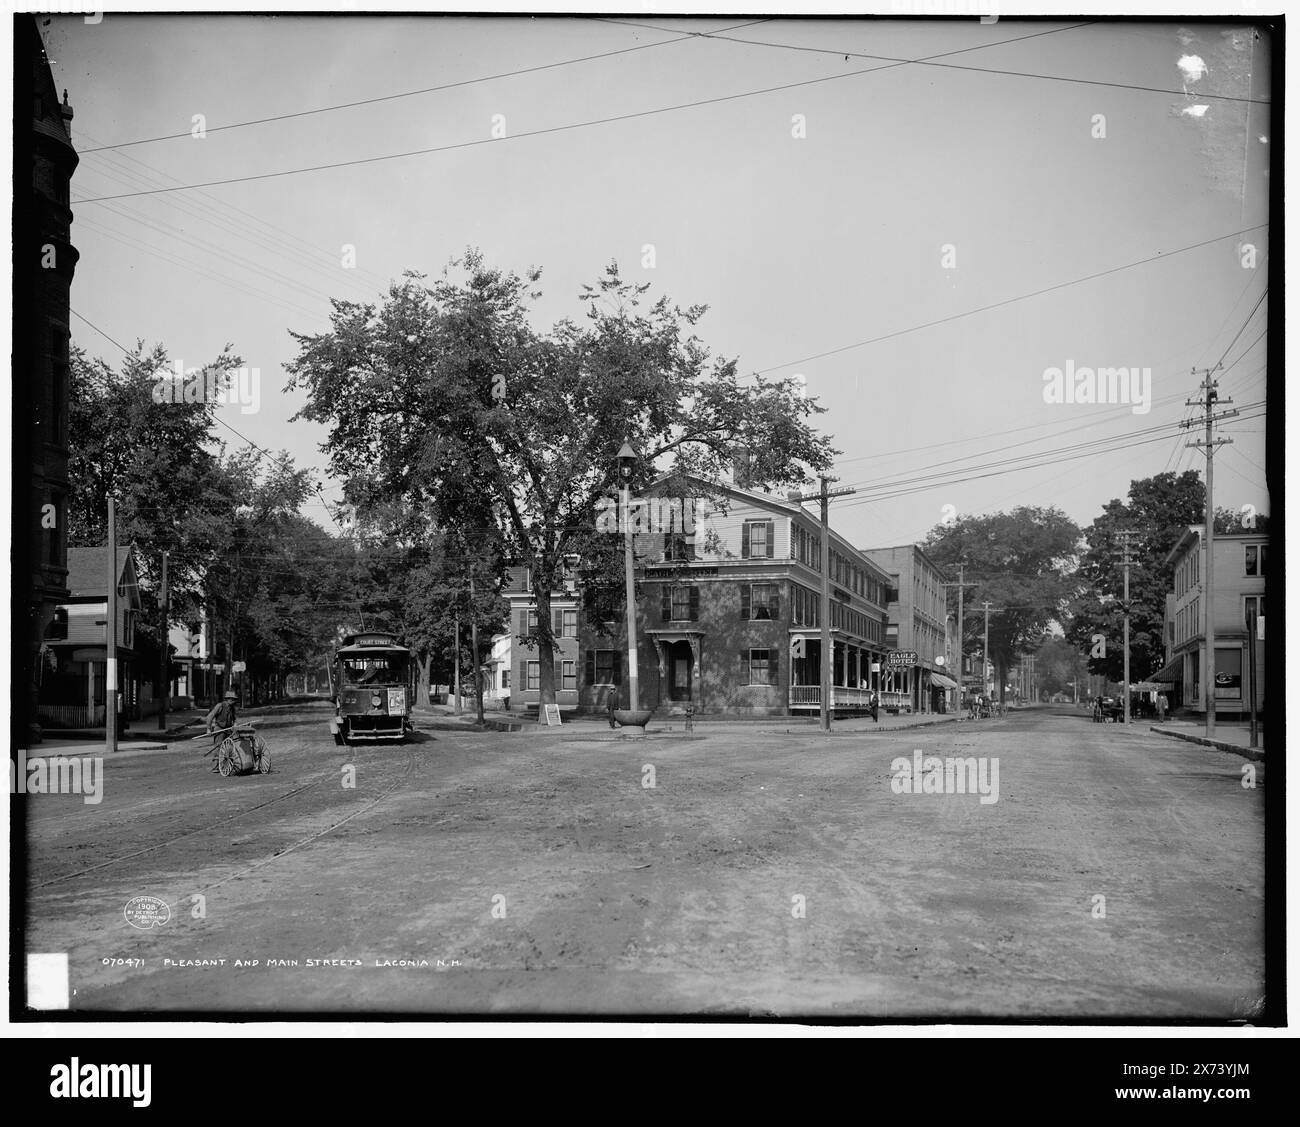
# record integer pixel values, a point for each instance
(883, 236)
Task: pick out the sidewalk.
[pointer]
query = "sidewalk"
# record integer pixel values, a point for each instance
(1232, 737)
(588, 726)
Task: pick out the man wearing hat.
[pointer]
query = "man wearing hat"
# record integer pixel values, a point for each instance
(219, 722)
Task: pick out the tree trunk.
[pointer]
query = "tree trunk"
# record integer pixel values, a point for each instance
(545, 644)
(423, 662)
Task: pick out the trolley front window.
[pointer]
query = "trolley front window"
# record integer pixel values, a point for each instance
(374, 669)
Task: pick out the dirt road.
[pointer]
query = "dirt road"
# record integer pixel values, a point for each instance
(1117, 874)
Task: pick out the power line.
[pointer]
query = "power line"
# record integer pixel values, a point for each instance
(928, 61)
(231, 219)
(1241, 330)
(528, 133)
(410, 93)
(1122, 444)
(1008, 301)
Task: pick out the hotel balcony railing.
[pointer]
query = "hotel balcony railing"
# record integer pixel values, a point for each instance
(843, 697)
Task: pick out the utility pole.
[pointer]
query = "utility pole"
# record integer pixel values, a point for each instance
(984, 657)
(110, 637)
(473, 642)
(827, 641)
(1125, 536)
(456, 651)
(961, 586)
(164, 666)
(1210, 387)
(824, 495)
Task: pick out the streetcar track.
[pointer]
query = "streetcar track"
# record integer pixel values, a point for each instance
(410, 762)
(181, 837)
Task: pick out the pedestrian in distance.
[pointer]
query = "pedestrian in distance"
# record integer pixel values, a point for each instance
(219, 720)
(875, 707)
(611, 702)
(1162, 703)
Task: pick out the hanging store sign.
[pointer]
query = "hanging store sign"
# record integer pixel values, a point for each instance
(901, 657)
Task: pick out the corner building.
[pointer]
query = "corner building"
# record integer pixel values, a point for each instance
(728, 615)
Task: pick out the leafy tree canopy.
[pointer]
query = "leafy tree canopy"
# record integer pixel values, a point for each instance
(445, 398)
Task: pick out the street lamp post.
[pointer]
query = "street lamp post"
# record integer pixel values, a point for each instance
(627, 459)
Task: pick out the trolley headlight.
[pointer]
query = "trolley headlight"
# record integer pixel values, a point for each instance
(375, 700)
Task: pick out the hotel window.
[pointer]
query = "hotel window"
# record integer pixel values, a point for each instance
(1256, 559)
(756, 541)
(679, 604)
(678, 546)
(569, 675)
(760, 666)
(532, 620)
(604, 667)
(760, 600)
(505, 678)
(534, 676)
(570, 624)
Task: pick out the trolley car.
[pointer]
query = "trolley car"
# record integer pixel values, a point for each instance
(373, 689)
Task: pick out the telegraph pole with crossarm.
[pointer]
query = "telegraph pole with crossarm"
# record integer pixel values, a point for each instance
(1210, 388)
(961, 586)
(1125, 536)
(828, 653)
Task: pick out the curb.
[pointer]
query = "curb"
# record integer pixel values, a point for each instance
(1253, 753)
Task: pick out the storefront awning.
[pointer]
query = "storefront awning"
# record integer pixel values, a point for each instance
(1172, 673)
(942, 681)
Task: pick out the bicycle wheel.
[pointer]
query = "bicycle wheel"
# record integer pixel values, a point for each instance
(263, 756)
(228, 762)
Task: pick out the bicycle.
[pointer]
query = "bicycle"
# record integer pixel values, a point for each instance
(242, 752)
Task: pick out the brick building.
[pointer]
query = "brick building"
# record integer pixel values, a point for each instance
(521, 662)
(726, 600)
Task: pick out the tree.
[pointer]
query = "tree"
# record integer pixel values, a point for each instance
(1020, 562)
(446, 399)
(1158, 509)
(1059, 666)
(158, 460)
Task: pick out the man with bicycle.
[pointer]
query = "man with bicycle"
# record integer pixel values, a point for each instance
(220, 721)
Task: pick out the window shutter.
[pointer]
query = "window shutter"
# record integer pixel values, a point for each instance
(744, 667)
(744, 600)
(695, 604)
(774, 605)
(771, 539)
(523, 622)
(557, 623)
(666, 602)
(618, 667)
(744, 541)
(771, 667)
(591, 667)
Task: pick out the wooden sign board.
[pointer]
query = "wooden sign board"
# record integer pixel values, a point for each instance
(552, 714)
